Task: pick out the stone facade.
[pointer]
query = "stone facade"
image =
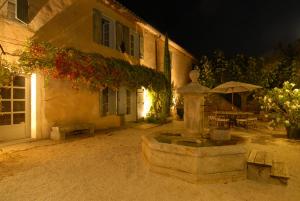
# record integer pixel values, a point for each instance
(69, 23)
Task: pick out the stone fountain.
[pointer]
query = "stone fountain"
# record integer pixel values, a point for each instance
(187, 155)
(193, 95)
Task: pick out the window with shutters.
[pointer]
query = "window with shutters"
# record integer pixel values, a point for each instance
(123, 38)
(108, 102)
(105, 32)
(22, 10)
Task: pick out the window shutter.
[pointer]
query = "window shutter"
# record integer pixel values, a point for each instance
(126, 39)
(141, 49)
(136, 46)
(22, 10)
(118, 35)
(112, 102)
(97, 26)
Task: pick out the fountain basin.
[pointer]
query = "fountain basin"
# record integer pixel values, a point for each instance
(195, 160)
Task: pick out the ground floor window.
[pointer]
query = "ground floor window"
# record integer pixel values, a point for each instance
(108, 102)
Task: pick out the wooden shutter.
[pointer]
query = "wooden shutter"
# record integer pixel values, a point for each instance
(112, 102)
(119, 34)
(126, 39)
(141, 49)
(22, 10)
(97, 35)
(136, 46)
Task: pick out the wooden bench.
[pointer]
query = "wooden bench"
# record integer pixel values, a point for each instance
(61, 131)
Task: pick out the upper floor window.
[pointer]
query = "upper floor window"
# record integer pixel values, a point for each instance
(18, 9)
(122, 40)
(105, 32)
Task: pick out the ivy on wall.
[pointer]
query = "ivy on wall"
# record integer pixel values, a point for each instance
(91, 69)
(85, 69)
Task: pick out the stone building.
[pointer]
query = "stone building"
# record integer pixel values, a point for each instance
(31, 106)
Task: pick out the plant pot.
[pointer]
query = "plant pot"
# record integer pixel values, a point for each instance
(180, 112)
(293, 132)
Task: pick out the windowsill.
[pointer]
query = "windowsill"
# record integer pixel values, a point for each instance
(13, 21)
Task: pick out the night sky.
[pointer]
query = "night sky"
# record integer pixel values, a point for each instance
(252, 27)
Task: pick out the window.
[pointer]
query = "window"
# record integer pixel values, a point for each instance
(11, 10)
(108, 102)
(128, 102)
(13, 102)
(122, 40)
(22, 10)
(105, 32)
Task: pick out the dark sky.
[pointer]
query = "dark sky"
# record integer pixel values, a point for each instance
(248, 26)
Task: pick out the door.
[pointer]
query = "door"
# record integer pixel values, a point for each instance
(140, 103)
(15, 118)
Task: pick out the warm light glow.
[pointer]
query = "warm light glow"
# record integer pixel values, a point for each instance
(147, 102)
(33, 105)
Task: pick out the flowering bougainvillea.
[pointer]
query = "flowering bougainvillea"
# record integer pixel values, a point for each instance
(283, 105)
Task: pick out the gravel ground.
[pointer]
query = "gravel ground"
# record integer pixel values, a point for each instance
(110, 167)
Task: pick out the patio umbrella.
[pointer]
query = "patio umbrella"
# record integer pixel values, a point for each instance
(234, 87)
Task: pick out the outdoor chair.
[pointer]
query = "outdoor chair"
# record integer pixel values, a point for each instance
(212, 120)
(241, 122)
(251, 122)
(222, 122)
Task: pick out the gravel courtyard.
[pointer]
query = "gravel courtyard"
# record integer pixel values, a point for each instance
(110, 167)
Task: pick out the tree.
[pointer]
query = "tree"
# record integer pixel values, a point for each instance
(167, 73)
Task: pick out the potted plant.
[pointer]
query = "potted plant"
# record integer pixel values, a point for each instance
(283, 106)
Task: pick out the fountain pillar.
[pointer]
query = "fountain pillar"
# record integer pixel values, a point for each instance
(193, 95)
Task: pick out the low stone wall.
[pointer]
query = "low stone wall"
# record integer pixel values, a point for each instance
(196, 164)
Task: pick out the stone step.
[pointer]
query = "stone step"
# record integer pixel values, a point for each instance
(280, 172)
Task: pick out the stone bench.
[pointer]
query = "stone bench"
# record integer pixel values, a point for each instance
(61, 131)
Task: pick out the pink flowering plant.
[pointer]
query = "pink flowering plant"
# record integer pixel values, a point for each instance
(283, 105)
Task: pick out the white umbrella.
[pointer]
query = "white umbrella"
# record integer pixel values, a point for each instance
(234, 87)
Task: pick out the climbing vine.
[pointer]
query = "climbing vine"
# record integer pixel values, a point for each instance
(84, 69)
(91, 69)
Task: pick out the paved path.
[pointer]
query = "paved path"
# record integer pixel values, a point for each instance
(110, 167)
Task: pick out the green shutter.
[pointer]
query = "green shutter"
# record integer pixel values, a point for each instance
(141, 49)
(126, 39)
(97, 26)
(118, 35)
(22, 10)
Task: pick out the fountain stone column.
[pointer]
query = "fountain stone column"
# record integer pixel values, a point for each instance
(193, 95)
